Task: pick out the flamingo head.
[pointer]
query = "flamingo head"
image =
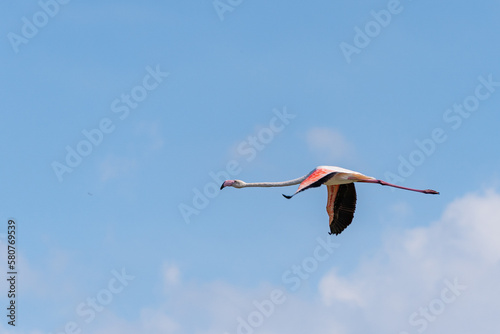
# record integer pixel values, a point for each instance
(232, 183)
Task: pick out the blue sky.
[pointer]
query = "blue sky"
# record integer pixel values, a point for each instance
(133, 235)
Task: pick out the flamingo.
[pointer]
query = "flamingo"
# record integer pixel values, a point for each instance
(339, 181)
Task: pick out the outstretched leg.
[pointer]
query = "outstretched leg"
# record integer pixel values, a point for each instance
(425, 191)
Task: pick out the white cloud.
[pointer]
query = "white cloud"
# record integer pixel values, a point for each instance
(394, 288)
(437, 279)
(329, 143)
(147, 139)
(113, 167)
(156, 321)
(171, 275)
(335, 288)
(152, 321)
(152, 136)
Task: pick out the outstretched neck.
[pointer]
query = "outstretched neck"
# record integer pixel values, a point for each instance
(276, 184)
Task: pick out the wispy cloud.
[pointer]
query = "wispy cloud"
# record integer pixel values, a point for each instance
(114, 166)
(156, 321)
(335, 288)
(147, 139)
(329, 143)
(406, 285)
(421, 278)
(151, 134)
(171, 275)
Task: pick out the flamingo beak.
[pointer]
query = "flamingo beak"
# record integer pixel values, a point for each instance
(226, 183)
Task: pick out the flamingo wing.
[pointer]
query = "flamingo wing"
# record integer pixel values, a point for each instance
(341, 206)
(315, 179)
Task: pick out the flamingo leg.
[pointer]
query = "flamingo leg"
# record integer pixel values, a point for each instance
(332, 193)
(384, 183)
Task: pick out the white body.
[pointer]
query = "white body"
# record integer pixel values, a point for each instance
(344, 175)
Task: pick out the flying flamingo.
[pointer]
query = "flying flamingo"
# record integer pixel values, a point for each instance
(341, 192)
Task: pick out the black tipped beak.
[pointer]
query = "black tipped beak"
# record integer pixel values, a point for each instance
(287, 196)
(222, 186)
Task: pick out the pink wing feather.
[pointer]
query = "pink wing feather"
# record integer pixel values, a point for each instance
(315, 176)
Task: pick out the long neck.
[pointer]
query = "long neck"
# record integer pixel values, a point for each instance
(276, 184)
